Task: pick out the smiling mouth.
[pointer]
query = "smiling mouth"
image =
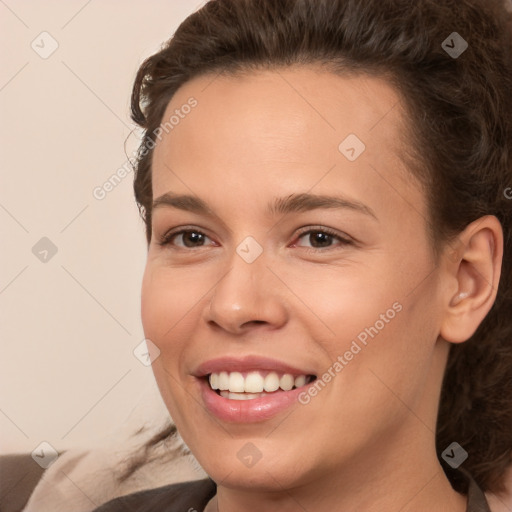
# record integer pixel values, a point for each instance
(254, 384)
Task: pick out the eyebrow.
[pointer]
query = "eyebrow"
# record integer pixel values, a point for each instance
(295, 203)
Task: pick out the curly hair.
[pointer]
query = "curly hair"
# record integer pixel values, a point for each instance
(459, 111)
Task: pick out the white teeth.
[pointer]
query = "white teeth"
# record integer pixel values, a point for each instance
(236, 382)
(300, 381)
(254, 384)
(223, 380)
(214, 381)
(271, 382)
(286, 382)
(240, 396)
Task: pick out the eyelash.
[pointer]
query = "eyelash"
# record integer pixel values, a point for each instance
(169, 236)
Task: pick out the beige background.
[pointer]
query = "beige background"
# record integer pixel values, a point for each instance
(69, 324)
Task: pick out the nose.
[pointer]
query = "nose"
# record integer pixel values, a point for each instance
(247, 296)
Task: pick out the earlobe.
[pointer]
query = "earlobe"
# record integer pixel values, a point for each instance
(477, 273)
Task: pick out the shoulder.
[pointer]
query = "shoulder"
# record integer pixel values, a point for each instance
(180, 497)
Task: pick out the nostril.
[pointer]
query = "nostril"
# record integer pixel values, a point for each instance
(255, 322)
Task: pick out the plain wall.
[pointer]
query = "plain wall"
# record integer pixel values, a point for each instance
(69, 325)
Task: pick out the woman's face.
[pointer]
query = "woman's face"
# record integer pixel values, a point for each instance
(276, 282)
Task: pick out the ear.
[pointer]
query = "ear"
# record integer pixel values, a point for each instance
(473, 265)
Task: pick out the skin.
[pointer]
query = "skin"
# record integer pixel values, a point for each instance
(366, 441)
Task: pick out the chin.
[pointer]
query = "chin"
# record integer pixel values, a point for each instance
(265, 474)
(262, 480)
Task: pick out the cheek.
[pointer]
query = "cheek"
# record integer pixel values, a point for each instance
(383, 317)
(166, 318)
(394, 341)
(154, 296)
(166, 306)
(344, 301)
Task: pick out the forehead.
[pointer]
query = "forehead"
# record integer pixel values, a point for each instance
(289, 125)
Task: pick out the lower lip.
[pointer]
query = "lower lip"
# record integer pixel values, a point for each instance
(248, 411)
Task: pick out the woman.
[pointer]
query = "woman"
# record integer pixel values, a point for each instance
(328, 282)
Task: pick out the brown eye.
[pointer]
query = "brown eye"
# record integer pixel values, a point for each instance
(189, 238)
(319, 239)
(322, 238)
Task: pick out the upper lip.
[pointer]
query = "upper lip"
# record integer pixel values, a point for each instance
(247, 363)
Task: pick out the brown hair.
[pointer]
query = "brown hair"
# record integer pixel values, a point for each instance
(460, 117)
